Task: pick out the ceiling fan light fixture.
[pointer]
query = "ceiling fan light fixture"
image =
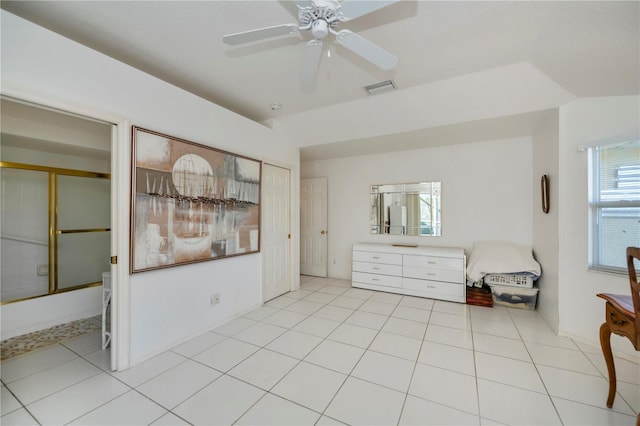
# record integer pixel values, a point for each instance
(320, 29)
(380, 87)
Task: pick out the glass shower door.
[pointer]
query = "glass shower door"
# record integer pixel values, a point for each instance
(82, 232)
(25, 234)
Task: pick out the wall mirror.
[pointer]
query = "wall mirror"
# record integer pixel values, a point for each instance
(406, 209)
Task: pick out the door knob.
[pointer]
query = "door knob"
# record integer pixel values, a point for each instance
(323, 232)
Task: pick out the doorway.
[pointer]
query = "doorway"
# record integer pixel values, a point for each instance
(276, 231)
(313, 227)
(56, 215)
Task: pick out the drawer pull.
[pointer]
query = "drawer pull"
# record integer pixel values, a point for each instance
(431, 286)
(430, 262)
(374, 279)
(431, 274)
(375, 257)
(376, 269)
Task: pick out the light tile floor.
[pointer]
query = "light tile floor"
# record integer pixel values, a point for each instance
(328, 354)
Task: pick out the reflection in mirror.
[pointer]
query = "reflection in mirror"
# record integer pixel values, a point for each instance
(406, 209)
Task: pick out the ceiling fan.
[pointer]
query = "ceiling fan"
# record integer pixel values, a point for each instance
(321, 18)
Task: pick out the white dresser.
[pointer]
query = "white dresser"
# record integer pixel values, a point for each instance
(434, 272)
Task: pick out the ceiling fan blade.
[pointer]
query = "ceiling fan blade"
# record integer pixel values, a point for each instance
(293, 7)
(366, 49)
(304, 4)
(260, 34)
(312, 56)
(352, 9)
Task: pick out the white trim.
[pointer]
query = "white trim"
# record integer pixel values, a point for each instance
(120, 299)
(611, 140)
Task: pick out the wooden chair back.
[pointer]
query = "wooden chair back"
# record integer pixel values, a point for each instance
(633, 253)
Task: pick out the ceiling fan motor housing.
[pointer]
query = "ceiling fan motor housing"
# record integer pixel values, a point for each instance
(321, 17)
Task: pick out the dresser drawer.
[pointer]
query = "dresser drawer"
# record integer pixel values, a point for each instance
(435, 287)
(368, 256)
(381, 280)
(377, 268)
(433, 262)
(433, 274)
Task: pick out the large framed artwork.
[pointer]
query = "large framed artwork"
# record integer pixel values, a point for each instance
(190, 202)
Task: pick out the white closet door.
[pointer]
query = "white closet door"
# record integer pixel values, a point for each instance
(276, 231)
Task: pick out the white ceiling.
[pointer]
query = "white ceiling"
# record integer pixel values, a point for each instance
(585, 48)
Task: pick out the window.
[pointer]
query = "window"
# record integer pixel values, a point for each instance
(614, 204)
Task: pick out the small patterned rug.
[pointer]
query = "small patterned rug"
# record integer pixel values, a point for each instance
(19, 345)
(479, 296)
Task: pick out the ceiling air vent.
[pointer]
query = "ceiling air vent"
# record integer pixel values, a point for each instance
(380, 87)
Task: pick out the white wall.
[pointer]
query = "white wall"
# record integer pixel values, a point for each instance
(545, 226)
(584, 121)
(170, 305)
(486, 194)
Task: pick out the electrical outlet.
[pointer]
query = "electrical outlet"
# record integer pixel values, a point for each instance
(214, 299)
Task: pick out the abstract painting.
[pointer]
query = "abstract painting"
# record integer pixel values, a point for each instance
(190, 202)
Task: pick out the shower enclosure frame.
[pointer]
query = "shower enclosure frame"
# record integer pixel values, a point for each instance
(54, 231)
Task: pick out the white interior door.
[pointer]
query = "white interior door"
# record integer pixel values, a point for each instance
(313, 227)
(276, 231)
